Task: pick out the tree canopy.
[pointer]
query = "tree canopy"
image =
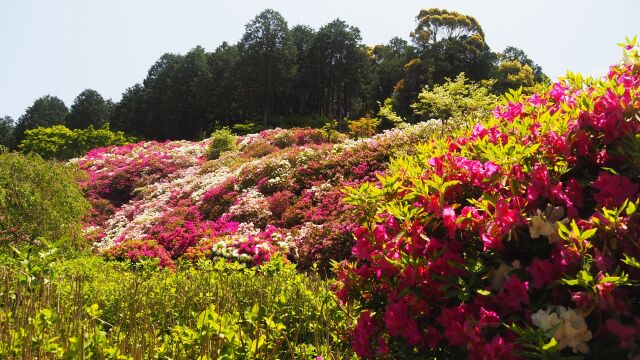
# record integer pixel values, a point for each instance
(45, 111)
(277, 75)
(88, 108)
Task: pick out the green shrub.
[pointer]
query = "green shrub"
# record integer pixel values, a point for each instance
(59, 142)
(204, 311)
(221, 140)
(388, 117)
(363, 127)
(246, 128)
(458, 99)
(38, 198)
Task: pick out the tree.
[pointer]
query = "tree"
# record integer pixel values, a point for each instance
(175, 97)
(88, 108)
(225, 89)
(338, 63)
(267, 60)
(435, 25)
(511, 53)
(300, 93)
(447, 43)
(39, 199)
(129, 114)
(513, 75)
(388, 67)
(6, 131)
(61, 143)
(45, 111)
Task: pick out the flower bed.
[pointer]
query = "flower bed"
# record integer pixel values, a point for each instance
(281, 191)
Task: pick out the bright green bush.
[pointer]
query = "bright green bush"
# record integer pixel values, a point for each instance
(363, 127)
(38, 198)
(458, 99)
(211, 310)
(59, 142)
(221, 140)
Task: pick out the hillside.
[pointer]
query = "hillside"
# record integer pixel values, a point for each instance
(280, 191)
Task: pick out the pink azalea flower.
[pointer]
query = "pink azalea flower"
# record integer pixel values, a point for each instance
(613, 190)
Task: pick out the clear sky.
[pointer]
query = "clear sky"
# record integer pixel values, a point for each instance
(61, 47)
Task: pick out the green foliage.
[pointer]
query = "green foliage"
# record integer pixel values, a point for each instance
(38, 198)
(268, 56)
(514, 75)
(96, 309)
(6, 131)
(458, 99)
(88, 109)
(221, 140)
(246, 128)
(363, 127)
(45, 111)
(388, 117)
(59, 142)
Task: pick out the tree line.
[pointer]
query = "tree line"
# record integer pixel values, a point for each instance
(278, 75)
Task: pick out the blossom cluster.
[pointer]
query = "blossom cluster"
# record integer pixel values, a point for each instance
(280, 191)
(517, 237)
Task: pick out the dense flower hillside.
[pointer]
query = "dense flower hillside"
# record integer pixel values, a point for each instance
(517, 239)
(281, 191)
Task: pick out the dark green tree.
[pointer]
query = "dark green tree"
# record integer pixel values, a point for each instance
(338, 63)
(6, 131)
(175, 97)
(267, 57)
(300, 93)
(129, 114)
(45, 111)
(388, 67)
(88, 108)
(225, 88)
(512, 53)
(447, 43)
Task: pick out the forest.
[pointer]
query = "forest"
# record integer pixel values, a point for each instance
(277, 76)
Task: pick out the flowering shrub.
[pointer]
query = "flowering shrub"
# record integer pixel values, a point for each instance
(139, 250)
(517, 238)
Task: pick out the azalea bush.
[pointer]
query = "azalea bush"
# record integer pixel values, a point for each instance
(516, 238)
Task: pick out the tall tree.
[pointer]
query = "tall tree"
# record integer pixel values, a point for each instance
(388, 67)
(6, 131)
(512, 53)
(267, 60)
(338, 61)
(45, 111)
(175, 96)
(299, 98)
(225, 89)
(129, 114)
(447, 43)
(435, 25)
(88, 108)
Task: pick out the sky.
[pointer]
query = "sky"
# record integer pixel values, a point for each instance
(61, 47)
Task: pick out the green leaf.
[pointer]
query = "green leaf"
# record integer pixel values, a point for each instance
(483, 292)
(553, 343)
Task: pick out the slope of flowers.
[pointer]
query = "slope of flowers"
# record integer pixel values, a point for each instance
(517, 239)
(280, 192)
